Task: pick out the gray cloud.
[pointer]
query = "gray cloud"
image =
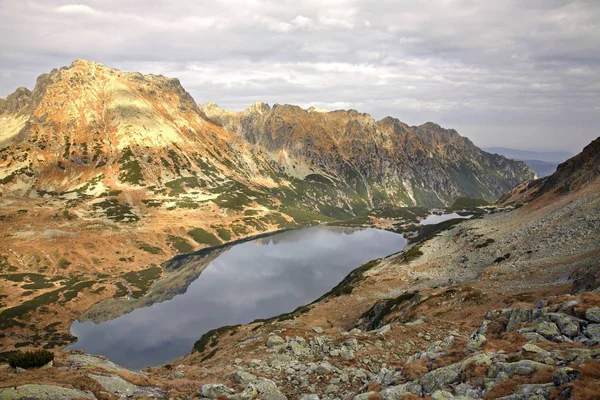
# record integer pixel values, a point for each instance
(508, 73)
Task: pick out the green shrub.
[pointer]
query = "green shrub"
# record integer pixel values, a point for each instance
(203, 237)
(180, 244)
(30, 359)
(224, 234)
(63, 263)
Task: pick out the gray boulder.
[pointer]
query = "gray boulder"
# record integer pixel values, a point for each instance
(242, 377)
(214, 390)
(43, 392)
(438, 378)
(274, 340)
(267, 389)
(522, 367)
(115, 384)
(593, 314)
(549, 330)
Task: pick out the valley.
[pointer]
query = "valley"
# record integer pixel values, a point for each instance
(120, 195)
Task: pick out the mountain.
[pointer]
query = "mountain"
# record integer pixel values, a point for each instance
(546, 156)
(570, 176)
(105, 174)
(383, 161)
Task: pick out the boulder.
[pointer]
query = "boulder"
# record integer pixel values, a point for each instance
(267, 389)
(519, 316)
(476, 342)
(442, 395)
(366, 396)
(534, 352)
(115, 384)
(310, 397)
(564, 375)
(242, 377)
(593, 332)
(323, 368)
(522, 367)
(214, 390)
(43, 392)
(400, 391)
(438, 378)
(549, 330)
(319, 330)
(274, 340)
(593, 314)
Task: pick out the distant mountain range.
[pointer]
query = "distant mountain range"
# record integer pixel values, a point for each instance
(543, 163)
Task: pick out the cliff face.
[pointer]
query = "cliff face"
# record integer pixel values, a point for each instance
(383, 161)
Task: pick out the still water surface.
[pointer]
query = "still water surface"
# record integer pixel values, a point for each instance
(256, 279)
(436, 219)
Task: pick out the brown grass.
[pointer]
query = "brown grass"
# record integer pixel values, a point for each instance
(508, 386)
(415, 369)
(474, 370)
(496, 327)
(585, 389)
(510, 342)
(373, 387)
(375, 396)
(591, 369)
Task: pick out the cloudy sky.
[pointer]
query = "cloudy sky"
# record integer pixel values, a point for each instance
(521, 74)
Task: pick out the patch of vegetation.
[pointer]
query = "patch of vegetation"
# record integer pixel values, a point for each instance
(412, 254)
(131, 171)
(380, 310)
(149, 248)
(142, 280)
(116, 211)
(99, 290)
(465, 203)
(318, 178)
(30, 359)
(224, 234)
(179, 244)
(203, 237)
(250, 212)
(179, 185)
(72, 286)
(500, 259)
(187, 203)
(75, 289)
(152, 203)
(209, 355)
(304, 217)
(63, 263)
(211, 338)
(346, 286)
(426, 232)
(121, 290)
(239, 229)
(485, 244)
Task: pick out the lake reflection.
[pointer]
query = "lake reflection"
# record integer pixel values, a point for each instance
(256, 279)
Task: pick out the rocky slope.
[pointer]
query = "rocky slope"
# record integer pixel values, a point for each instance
(505, 305)
(571, 175)
(383, 161)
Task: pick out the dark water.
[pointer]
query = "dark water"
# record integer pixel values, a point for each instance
(256, 279)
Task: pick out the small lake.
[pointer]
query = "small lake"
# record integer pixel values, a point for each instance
(261, 278)
(436, 219)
